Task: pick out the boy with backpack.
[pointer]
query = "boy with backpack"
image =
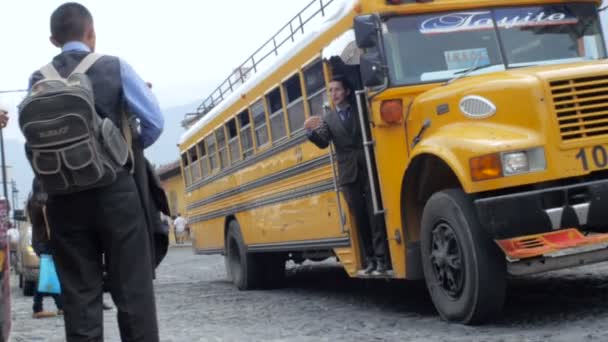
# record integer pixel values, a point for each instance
(78, 143)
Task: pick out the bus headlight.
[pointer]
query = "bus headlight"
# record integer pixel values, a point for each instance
(514, 163)
(504, 164)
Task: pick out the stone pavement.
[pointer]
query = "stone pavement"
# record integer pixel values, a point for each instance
(319, 303)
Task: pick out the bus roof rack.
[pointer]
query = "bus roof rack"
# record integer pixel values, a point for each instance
(251, 65)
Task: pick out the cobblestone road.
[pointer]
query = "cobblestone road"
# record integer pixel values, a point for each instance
(196, 303)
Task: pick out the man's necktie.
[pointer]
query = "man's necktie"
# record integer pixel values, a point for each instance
(344, 114)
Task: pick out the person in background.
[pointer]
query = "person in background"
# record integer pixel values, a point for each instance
(180, 224)
(40, 243)
(13, 243)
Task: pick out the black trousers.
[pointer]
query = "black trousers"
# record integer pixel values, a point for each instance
(372, 233)
(86, 225)
(39, 298)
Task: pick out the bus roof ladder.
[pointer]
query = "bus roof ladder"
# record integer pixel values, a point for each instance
(251, 65)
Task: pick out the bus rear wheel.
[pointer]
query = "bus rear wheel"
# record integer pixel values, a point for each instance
(252, 270)
(465, 271)
(242, 267)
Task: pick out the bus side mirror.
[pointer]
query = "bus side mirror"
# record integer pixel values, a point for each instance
(367, 28)
(367, 35)
(373, 72)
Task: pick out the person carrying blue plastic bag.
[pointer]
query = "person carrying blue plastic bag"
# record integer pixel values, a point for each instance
(40, 243)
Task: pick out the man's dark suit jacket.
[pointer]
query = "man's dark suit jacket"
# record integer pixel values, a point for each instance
(346, 136)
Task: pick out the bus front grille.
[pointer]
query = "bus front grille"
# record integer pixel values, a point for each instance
(581, 106)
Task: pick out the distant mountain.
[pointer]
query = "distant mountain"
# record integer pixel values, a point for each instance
(162, 152)
(165, 148)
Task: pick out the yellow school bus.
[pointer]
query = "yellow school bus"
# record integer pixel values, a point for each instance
(486, 146)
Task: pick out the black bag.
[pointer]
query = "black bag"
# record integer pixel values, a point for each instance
(70, 147)
(151, 194)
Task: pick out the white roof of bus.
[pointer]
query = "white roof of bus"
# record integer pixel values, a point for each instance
(344, 10)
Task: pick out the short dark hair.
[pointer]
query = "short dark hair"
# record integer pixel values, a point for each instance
(343, 80)
(70, 22)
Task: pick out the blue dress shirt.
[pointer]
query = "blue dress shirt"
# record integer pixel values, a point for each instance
(138, 97)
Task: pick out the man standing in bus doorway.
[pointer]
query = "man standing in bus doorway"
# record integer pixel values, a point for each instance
(341, 128)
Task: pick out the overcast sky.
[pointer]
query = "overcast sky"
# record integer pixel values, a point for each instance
(181, 46)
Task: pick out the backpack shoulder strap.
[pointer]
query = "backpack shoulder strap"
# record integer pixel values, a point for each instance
(49, 72)
(86, 63)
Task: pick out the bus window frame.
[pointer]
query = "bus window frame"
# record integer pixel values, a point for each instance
(260, 147)
(297, 101)
(325, 71)
(231, 140)
(280, 111)
(219, 150)
(203, 159)
(186, 167)
(194, 165)
(212, 170)
(251, 151)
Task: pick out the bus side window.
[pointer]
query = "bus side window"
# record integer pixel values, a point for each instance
(220, 136)
(295, 103)
(195, 171)
(203, 159)
(315, 88)
(233, 141)
(245, 131)
(259, 123)
(212, 152)
(277, 118)
(186, 169)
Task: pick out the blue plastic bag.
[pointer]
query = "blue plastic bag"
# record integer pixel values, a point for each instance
(48, 282)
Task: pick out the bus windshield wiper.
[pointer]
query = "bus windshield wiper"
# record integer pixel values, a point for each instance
(467, 72)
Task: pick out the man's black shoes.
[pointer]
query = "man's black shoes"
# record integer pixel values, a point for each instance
(371, 266)
(381, 268)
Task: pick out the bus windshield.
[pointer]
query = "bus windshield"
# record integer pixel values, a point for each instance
(440, 46)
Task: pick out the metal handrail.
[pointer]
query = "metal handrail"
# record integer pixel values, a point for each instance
(252, 63)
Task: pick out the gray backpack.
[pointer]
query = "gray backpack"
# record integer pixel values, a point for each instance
(70, 147)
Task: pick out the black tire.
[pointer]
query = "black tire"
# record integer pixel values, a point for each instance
(242, 267)
(464, 269)
(29, 287)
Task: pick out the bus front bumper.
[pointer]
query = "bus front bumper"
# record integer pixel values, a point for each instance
(582, 205)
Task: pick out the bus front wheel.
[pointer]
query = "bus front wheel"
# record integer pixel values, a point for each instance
(465, 271)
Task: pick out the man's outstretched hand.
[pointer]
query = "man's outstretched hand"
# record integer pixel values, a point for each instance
(313, 123)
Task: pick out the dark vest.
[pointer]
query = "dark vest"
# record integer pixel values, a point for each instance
(106, 79)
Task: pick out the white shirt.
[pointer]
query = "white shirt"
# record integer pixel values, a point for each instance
(13, 236)
(180, 224)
